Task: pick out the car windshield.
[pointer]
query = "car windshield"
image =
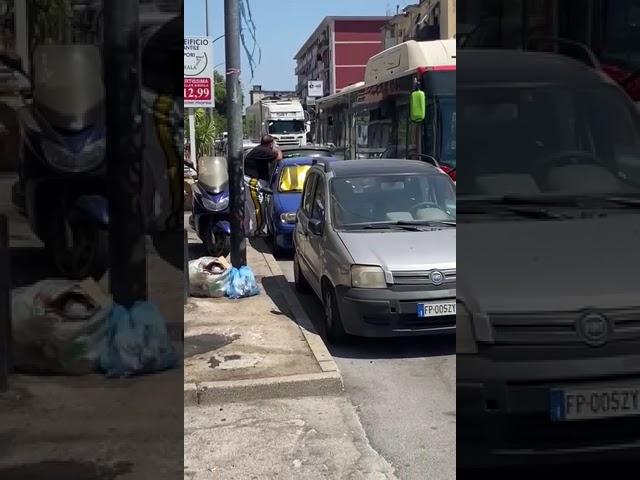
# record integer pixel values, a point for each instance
(292, 178)
(387, 199)
(286, 126)
(306, 153)
(548, 141)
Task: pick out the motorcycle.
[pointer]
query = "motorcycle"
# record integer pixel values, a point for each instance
(210, 211)
(61, 187)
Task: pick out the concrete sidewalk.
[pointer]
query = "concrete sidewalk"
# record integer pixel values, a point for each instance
(266, 399)
(309, 438)
(254, 348)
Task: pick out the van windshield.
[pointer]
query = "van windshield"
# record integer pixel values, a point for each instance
(547, 140)
(379, 199)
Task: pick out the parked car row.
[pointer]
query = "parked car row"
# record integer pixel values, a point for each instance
(375, 240)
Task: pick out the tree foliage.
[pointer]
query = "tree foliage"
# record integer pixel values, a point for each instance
(50, 21)
(220, 93)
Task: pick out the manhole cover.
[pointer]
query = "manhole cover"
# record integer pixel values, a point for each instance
(65, 471)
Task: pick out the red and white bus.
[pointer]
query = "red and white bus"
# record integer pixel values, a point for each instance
(372, 118)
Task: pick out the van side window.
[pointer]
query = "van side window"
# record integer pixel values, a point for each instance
(309, 191)
(318, 210)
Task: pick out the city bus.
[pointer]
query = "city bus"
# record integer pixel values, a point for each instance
(372, 119)
(610, 29)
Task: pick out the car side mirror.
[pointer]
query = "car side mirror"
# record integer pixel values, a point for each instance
(315, 226)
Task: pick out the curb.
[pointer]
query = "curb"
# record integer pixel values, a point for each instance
(316, 344)
(303, 385)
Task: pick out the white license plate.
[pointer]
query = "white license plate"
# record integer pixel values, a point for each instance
(588, 404)
(436, 309)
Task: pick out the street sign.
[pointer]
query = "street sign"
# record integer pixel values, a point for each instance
(198, 72)
(315, 88)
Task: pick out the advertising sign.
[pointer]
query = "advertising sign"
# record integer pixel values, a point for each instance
(315, 88)
(198, 72)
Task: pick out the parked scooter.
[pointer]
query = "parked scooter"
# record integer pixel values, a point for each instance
(61, 186)
(210, 214)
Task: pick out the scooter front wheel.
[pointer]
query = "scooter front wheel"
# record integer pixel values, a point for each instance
(218, 244)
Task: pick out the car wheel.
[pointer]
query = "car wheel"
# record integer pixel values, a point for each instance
(334, 328)
(299, 281)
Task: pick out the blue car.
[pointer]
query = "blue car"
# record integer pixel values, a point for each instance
(286, 182)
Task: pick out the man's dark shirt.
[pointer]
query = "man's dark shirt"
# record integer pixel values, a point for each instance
(257, 162)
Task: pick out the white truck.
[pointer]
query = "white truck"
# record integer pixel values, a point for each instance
(282, 118)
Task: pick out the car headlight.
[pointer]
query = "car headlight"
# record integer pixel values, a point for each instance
(215, 206)
(465, 336)
(365, 276)
(288, 217)
(90, 157)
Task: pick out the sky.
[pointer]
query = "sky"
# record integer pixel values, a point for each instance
(282, 27)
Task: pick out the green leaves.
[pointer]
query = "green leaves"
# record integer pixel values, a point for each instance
(207, 130)
(51, 21)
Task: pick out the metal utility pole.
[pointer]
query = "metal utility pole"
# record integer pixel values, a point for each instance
(128, 266)
(5, 306)
(234, 120)
(213, 87)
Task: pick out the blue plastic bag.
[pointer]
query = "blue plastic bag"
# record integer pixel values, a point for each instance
(136, 342)
(242, 283)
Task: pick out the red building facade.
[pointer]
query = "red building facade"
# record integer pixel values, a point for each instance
(337, 52)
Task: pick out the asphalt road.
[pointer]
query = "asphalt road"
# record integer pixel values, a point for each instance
(404, 391)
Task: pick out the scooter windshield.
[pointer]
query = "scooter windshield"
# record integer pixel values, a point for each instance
(213, 174)
(68, 87)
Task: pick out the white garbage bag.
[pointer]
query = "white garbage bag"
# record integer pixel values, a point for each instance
(57, 326)
(208, 277)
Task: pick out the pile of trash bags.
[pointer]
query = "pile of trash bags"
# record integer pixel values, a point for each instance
(71, 328)
(215, 278)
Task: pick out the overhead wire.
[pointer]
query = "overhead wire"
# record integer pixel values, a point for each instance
(246, 17)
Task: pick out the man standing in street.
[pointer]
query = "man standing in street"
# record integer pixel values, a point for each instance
(258, 166)
(260, 160)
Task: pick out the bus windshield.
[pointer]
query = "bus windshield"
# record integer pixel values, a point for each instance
(439, 132)
(447, 128)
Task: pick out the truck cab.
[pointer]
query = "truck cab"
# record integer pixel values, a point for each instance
(283, 119)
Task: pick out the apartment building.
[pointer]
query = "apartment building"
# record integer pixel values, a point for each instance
(337, 52)
(426, 20)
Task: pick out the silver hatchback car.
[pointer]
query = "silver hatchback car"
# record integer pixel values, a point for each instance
(376, 241)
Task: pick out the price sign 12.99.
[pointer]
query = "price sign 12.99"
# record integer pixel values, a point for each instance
(197, 89)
